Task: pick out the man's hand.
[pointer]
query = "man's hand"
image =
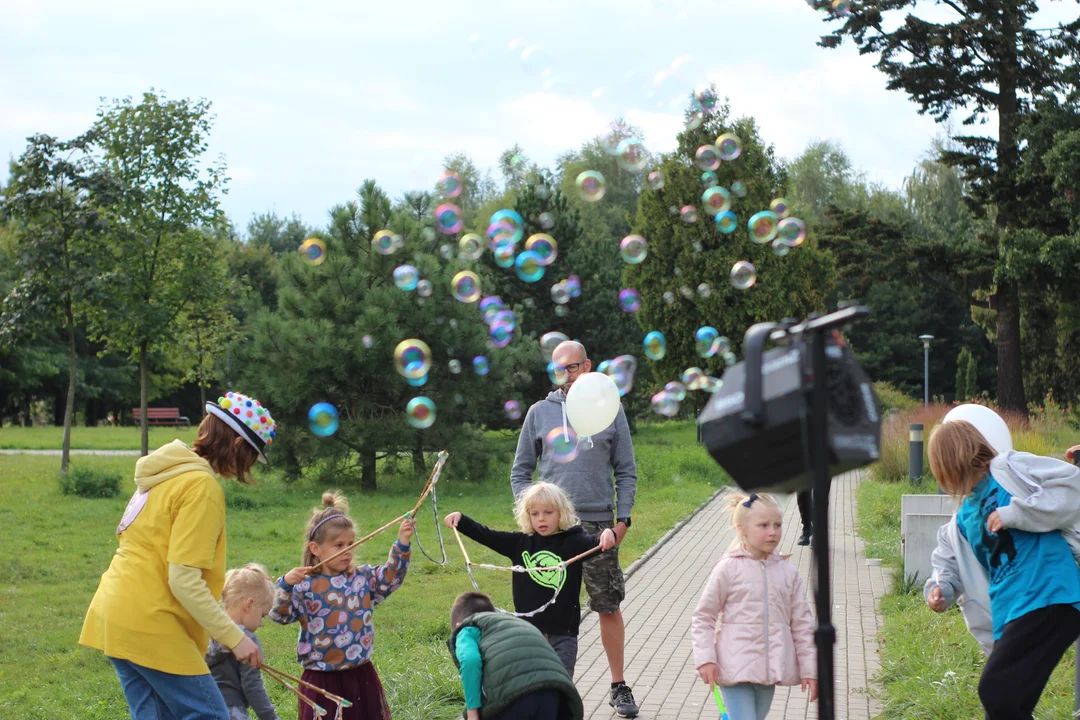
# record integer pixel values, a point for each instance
(709, 673)
(451, 520)
(246, 651)
(620, 532)
(993, 522)
(935, 600)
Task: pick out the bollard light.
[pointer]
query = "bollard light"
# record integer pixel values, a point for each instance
(915, 452)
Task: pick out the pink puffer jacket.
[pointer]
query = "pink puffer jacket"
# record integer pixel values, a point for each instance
(766, 629)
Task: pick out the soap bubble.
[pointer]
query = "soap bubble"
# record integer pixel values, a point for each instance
(546, 220)
(633, 249)
(666, 404)
(780, 207)
(557, 373)
(505, 224)
(591, 186)
(656, 180)
(704, 289)
(762, 226)
(489, 307)
(543, 245)
(551, 340)
(466, 286)
(573, 284)
(562, 310)
(780, 248)
(480, 365)
(677, 389)
(716, 200)
(730, 359)
(313, 250)
(471, 246)
(454, 367)
(739, 188)
(711, 384)
(412, 358)
(705, 341)
(688, 214)
(367, 341)
(420, 412)
(450, 184)
(504, 254)
(629, 300)
(446, 252)
(631, 155)
(512, 408)
(655, 345)
(424, 288)
(417, 382)
(560, 293)
(500, 334)
(562, 442)
(743, 275)
(530, 266)
(323, 419)
(792, 231)
(448, 219)
(693, 378)
(709, 179)
(386, 242)
(730, 146)
(707, 157)
(406, 277)
(669, 297)
(505, 317)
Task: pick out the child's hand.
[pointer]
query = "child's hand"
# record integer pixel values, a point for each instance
(472, 714)
(709, 673)
(607, 539)
(405, 532)
(812, 684)
(452, 519)
(993, 522)
(935, 600)
(296, 575)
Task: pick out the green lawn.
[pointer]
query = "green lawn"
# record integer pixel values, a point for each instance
(930, 664)
(93, 438)
(53, 548)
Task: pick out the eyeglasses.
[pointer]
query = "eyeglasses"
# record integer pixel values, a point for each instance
(574, 367)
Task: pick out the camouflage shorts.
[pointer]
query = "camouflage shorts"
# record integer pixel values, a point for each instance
(604, 581)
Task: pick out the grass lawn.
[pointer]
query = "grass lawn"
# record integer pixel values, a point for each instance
(53, 548)
(930, 664)
(92, 438)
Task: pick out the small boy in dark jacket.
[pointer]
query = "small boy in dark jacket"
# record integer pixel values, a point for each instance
(508, 670)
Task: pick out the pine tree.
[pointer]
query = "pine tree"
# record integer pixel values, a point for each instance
(963, 390)
(332, 339)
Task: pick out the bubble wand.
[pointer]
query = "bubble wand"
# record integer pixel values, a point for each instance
(435, 472)
(720, 702)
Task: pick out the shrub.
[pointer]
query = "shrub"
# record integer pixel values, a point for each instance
(889, 396)
(90, 483)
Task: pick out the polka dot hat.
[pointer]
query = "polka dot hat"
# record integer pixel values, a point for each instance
(248, 418)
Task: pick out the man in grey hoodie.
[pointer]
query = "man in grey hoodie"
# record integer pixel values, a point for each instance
(599, 501)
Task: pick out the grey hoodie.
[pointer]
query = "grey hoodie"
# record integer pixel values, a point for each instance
(588, 478)
(241, 685)
(1045, 497)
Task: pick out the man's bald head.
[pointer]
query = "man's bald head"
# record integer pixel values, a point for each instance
(571, 355)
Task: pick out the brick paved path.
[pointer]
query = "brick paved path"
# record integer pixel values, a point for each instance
(659, 664)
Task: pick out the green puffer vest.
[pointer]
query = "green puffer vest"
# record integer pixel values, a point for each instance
(517, 661)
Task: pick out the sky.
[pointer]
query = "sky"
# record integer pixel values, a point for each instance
(312, 98)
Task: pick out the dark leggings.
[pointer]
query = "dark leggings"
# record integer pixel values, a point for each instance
(539, 705)
(806, 505)
(1023, 659)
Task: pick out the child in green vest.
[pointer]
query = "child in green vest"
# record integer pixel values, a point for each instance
(508, 670)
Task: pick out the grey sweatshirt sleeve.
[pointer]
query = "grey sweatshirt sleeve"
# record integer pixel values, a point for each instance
(623, 465)
(1055, 505)
(525, 457)
(946, 575)
(252, 684)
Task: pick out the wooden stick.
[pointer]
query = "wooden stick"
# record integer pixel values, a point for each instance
(326, 693)
(443, 455)
(318, 709)
(461, 545)
(513, 568)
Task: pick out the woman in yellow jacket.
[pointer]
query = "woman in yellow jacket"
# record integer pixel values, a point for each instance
(156, 607)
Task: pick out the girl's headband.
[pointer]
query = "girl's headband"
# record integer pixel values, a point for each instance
(319, 524)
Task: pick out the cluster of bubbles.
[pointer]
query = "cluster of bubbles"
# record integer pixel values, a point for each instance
(564, 291)
(621, 370)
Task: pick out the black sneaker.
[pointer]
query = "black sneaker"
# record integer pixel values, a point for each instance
(807, 535)
(622, 699)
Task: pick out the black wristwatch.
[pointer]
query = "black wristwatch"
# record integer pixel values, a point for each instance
(625, 521)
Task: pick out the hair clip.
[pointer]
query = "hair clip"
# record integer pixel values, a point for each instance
(750, 500)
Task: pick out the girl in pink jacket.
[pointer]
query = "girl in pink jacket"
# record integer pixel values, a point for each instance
(766, 633)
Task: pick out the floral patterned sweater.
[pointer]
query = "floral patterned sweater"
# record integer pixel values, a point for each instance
(334, 611)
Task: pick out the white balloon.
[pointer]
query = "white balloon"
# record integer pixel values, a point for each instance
(592, 403)
(987, 422)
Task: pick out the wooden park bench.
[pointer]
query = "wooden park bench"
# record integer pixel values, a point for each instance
(161, 416)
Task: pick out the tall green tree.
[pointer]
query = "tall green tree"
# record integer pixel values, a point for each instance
(52, 201)
(332, 339)
(682, 256)
(986, 60)
(280, 235)
(160, 262)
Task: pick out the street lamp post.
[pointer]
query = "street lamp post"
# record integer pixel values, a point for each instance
(926, 367)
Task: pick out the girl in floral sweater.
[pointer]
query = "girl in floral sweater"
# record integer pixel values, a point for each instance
(334, 608)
